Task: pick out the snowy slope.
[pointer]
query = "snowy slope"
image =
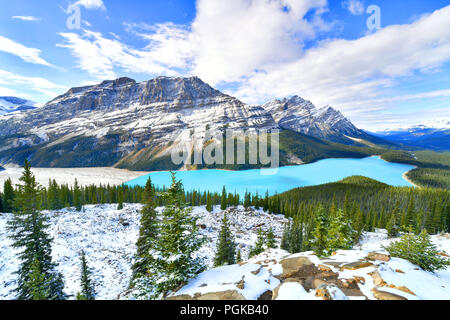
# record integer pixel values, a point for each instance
(13, 104)
(108, 237)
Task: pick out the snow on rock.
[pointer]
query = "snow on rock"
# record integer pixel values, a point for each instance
(346, 275)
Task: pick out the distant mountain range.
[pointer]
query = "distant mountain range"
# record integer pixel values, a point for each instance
(14, 104)
(134, 125)
(434, 136)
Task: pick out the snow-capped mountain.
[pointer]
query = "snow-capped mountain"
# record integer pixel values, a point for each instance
(433, 135)
(302, 116)
(136, 125)
(14, 104)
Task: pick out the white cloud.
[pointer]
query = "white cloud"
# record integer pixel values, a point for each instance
(31, 55)
(355, 7)
(27, 18)
(99, 55)
(38, 84)
(257, 46)
(227, 41)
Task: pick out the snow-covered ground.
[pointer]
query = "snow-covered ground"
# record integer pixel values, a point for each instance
(85, 176)
(108, 237)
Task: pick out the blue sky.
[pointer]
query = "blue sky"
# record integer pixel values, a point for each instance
(253, 49)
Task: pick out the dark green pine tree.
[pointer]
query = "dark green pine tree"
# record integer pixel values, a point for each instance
(77, 196)
(178, 241)
(120, 199)
(28, 227)
(148, 233)
(1, 203)
(296, 236)
(285, 239)
(259, 245)
(87, 287)
(238, 256)
(226, 247)
(223, 200)
(320, 233)
(36, 283)
(209, 205)
(271, 243)
(8, 196)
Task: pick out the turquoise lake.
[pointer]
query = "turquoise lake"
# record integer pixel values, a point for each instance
(324, 171)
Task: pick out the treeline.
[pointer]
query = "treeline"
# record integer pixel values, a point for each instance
(368, 204)
(433, 168)
(58, 196)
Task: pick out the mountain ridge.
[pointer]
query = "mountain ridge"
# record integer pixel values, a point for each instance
(103, 124)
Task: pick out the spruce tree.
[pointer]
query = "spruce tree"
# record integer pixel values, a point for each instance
(8, 196)
(320, 233)
(209, 205)
(174, 262)
(223, 201)
(285, 240)
(238, 256)
(77, 196)
(87, 287)
(296, 236)
(226, 247)
(148, 233)
(271, 243)
(28, 227)
(259, 245)
(36, 283)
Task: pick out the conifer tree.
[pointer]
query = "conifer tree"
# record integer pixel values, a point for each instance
(28, 226)
(223, 201)
(271, 243)
(36, 283)
(259, 245)
(77, 200)
(173, 254)
(120, 199)
(285, 240)
(8, 196)
(226, 247)
(296, 236)
(320, 233)
(209, 205)
(148, 233)
(238, 256)
(340, 233)
(87, 287)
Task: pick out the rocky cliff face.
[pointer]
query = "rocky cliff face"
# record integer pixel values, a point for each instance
(130, 124)
(302, 116)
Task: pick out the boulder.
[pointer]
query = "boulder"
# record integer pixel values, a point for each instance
(383, 295)
(377, 279)
(357, 265)
(378, 256)
(298, 268)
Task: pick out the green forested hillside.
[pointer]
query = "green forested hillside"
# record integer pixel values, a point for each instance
(433, 168)
(371, 202)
